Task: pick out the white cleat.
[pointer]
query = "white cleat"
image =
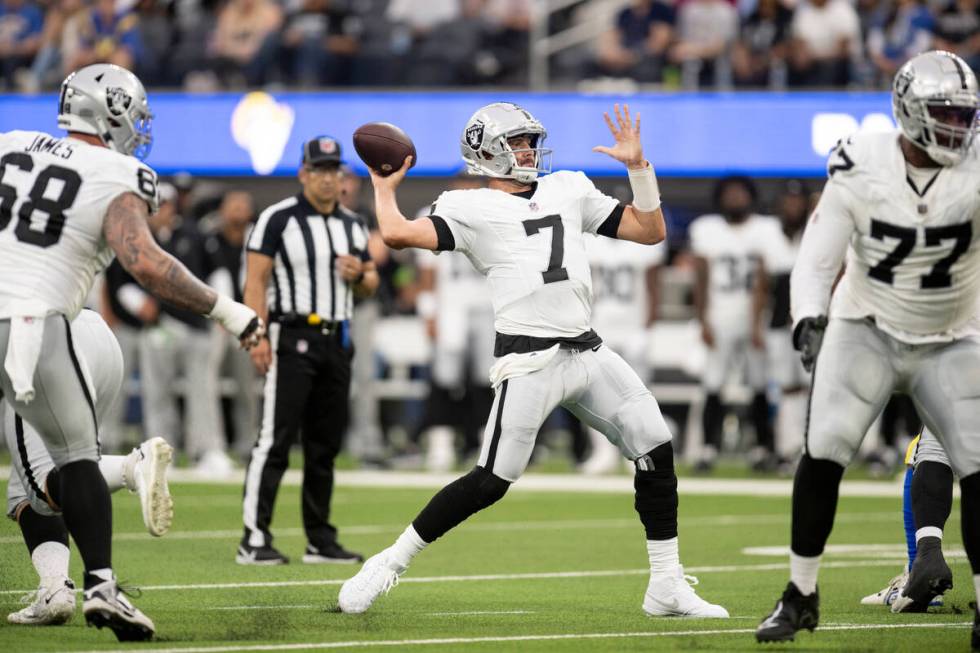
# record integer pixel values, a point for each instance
(50, 605)
(674, 596)
(378, 576)
(148, 478)
(888, 595)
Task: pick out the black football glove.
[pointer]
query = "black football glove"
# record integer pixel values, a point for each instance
(807, 338)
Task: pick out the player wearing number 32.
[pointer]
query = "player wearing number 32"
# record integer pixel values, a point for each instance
(904, 206)
(66, 206)
(525, 233)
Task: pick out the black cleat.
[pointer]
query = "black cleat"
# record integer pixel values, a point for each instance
(330, 553)
(259, 555)
(929, 577)
(105, 605)
(793, 612)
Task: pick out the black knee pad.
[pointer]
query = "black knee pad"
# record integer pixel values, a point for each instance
(661, 457)
(487, 488)
(656, 492)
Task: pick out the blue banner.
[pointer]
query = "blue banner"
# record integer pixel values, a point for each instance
(684, 134)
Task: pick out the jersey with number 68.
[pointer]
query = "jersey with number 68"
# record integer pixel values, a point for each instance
(531, 248)
(54, 194)
(911, 236)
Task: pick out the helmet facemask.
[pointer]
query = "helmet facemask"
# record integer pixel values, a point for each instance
(541, 163)
(948, 130)
(486, 147)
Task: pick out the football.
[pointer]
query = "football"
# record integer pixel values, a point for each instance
(383, 147)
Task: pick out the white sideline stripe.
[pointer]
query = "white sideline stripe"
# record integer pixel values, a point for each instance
(512, 638)
(774, 566)
(377, 529)
(556, 483)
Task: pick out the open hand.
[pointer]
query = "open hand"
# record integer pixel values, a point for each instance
(627, 149)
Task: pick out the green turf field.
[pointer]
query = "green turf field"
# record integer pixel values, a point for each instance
(537, 572)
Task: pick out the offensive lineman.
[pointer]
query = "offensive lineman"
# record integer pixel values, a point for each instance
(904, 206)
(66, 205)
(34, 491)
(525, 234)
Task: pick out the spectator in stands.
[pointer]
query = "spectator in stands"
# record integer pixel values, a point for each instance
(958, 30)
(706, 30)
(902, 30)
(759, 56)
(637, 45)
(445, 36)
(105, 36)
(826, 39)
(504, 56)
(157, 34)
(20, 38)
(317, 41)
(245, 43)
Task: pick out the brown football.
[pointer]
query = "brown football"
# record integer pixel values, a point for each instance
(383, 147)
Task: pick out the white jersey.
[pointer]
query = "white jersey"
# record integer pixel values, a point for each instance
(54, 194)
(619, 278)
(734, 253)
(912, 251)
(532, 250)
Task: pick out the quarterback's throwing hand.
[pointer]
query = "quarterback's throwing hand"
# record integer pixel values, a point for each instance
(807, 338)
(627, 149)
(390, 181)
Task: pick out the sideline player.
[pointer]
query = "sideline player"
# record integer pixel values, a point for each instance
(66, 205)
(34, 488)
(904, 206)
(525, 233)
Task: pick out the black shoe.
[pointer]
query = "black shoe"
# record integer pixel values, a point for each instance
(259, 555)
(929, 577)
(793, 612)
(330, 553)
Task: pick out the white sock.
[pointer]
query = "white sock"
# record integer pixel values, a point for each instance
(407, 546)
(664, 557)
(928, 531)
(103, 574)
(113, 469)
(51, 561)
(803, 572)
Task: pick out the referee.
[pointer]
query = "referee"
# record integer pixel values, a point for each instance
(306, 259)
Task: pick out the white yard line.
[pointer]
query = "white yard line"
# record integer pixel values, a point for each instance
(461, 641)
(477, 613)
(265, 607)
(775, 566)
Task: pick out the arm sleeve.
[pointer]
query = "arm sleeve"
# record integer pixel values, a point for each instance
(454, 228)
(822, 252)
(266, 236)
(597, 207)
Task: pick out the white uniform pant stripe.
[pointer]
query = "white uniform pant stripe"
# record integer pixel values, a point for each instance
(260, 452)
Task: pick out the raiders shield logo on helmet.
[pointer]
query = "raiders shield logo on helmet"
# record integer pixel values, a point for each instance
(117, 100)
(474, 136)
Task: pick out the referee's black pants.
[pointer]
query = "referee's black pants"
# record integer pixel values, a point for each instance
(307, 389)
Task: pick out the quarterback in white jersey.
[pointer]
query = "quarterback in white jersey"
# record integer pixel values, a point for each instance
(731, 249)
(66, 205)
(526, 234)
(904, 207)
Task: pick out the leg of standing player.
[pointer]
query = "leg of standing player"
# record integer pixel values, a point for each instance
(616, 402)
(853, 378)
(519, 408)
(757, 378)
(716, 368)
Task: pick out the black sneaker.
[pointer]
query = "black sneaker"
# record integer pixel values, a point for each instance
(929, 577)
(259, 555)
(793, 612)
(105, 605)
(330, 553)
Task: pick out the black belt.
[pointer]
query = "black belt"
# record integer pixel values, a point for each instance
(505, 343)
(311, 321)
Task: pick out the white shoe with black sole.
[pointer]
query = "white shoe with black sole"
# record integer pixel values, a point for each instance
(263, 556)
(147, 476)
(105, 605)
(51, 604)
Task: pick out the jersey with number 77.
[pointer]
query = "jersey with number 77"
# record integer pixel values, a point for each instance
(531, 248)
(54, 194)
(913, 249)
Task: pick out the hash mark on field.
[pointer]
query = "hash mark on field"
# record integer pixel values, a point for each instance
(515, 638)
(545, 575)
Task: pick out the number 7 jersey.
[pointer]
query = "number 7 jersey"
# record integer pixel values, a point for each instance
(531, 248)
(912, 238)
(54, 194)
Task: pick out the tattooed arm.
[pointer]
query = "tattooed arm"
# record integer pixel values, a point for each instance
(127, 233)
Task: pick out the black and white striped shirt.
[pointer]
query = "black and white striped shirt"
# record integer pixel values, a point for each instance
(304, 245)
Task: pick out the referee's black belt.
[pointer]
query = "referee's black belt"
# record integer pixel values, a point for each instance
(311, 321)
(505, 343)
